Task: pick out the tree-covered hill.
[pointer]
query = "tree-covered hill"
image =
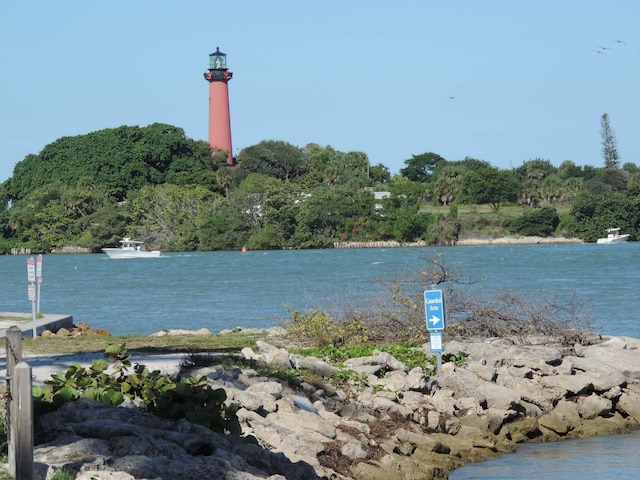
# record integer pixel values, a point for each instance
(117, 160)
(176, 194)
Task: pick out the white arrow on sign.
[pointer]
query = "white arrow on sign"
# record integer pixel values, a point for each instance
(434, 320)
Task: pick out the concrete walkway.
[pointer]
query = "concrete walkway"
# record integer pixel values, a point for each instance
(44, 366)
(24, 321)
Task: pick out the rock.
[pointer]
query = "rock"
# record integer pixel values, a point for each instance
(629, 402)
(562, 419)
(314, 364)
(397, 425)
(568, 384)
(178, 331)
(594, 406)
(417, 381)
(383, 359)
(394, 381)
(603, 377)
(119, 441)
(304, 404)
(272, 355)
(612, 355)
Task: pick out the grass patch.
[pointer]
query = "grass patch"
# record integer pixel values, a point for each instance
(230, 343)
(409, 353)
(17, 318)
(505, 211)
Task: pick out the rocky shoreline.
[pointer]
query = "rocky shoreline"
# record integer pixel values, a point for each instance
(469, 240)
(392, 423)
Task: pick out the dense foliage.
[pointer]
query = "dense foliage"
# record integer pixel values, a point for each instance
(174, 193)
(114, 378)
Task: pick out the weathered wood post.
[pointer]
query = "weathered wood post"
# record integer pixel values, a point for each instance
(22, 423)
(14, 356)
(14, 349)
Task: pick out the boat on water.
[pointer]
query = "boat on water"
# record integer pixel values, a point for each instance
(130, 249)
(613, 236)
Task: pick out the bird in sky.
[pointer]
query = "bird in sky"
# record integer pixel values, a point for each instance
(602, 52)
(620, 41)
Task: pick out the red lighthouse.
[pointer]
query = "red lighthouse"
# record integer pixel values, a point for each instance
(219, 120)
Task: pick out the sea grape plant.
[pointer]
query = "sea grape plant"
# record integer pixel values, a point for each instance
(114, 378)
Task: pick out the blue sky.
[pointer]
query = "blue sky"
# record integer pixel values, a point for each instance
(529, 78)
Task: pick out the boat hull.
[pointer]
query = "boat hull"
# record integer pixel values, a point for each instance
(120, 253)
(618, 239)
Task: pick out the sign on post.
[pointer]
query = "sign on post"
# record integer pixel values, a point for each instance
(39, 268)
(31, 278)
(434, 309)
(39, 279)
(31, 270)
(435, 341)
(434, 315)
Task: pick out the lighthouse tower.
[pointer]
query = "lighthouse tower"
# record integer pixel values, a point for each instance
(219, 120)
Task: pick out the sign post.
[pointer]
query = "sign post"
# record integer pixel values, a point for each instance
(434, 315)
(39, 280)
(31, 278)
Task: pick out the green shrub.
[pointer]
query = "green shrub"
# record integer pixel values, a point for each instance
(63, 474)
(113, 379)
(319, 329)
(540, 222)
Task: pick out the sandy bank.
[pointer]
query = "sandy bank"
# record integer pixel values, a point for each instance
(514, 240)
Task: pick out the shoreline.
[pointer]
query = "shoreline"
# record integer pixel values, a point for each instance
(472, 240)
(396, 423)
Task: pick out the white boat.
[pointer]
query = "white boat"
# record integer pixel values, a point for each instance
(613, 236)
(130, 249)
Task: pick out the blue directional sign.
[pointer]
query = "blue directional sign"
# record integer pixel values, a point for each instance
(434, 309)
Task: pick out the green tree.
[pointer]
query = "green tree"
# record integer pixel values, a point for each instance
(631, 168)
(470, 163)
(324, 216)
(419, 168)
(119, 160)
(379, 173)
(446, 186)
(274, 158)
(609, 143)
(607, 180)
(537, 222)
(569, 169)
(592, 213)
(489, 186)
(169, 216)
(280, 209)
(536, 169)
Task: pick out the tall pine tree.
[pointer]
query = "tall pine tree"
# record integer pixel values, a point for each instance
(609, 144)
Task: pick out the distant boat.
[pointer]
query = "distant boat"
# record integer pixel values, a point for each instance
(130, 249)
(613, 236)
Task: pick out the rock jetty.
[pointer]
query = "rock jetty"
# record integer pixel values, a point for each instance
(391, 423)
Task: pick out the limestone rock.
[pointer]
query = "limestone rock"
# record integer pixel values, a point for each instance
(394, 425)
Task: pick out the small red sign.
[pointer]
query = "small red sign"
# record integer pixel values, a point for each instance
(39, 268)
(31, 270)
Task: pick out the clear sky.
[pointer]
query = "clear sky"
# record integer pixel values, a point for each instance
(499, 80)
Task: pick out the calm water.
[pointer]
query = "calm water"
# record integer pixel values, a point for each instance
(604, 457)
(219, 290)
